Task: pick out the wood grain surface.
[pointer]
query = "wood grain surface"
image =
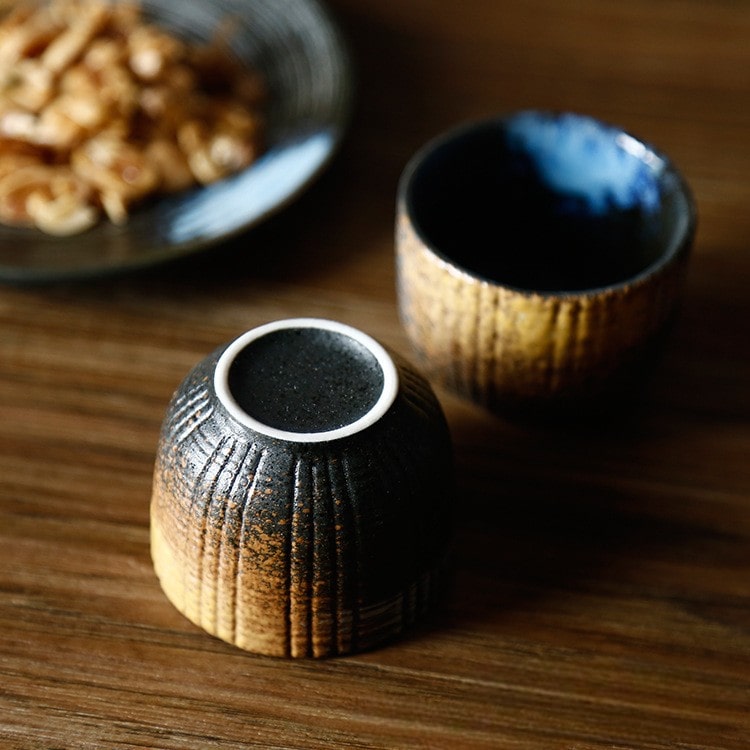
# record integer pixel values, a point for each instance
(600, 588)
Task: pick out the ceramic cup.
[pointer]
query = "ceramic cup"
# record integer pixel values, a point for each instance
(540, 259)
(301, 492)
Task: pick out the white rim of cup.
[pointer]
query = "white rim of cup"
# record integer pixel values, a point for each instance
(378, 410)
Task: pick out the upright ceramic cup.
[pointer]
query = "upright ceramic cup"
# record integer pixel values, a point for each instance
(301, 500)
(540, 259)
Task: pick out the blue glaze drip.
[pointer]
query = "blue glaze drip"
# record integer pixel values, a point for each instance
(591, 167)
(554, 202)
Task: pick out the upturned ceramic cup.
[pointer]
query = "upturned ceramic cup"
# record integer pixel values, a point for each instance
(540, 260)
(302, 488)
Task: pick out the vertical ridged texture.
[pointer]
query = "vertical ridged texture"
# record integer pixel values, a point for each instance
(503, 347)
(301, 550)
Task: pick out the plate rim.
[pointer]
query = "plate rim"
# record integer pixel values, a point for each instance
(340, 121)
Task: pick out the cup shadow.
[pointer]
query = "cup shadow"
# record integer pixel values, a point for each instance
(545, 511)
(706, 364)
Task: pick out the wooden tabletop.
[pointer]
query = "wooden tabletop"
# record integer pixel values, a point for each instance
(600, 587)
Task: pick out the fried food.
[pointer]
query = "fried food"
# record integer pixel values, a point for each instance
(101, 109)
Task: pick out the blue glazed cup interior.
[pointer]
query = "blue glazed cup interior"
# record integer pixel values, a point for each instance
(548, 202)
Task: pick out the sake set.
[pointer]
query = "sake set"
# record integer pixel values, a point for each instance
(304, 490)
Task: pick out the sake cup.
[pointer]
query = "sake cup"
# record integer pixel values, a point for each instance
(302, 488)
(540, 259)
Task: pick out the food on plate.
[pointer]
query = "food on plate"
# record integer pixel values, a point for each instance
(101, 109)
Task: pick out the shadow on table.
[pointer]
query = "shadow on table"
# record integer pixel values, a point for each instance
(546, 510)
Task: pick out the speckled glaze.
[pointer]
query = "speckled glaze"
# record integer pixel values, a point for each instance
(301, 548)
(581, 340)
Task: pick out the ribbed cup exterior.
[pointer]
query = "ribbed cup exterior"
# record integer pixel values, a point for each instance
(506, 348)
(301, 549)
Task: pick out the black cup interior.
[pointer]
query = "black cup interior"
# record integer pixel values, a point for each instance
(305, 380)
(480, 199)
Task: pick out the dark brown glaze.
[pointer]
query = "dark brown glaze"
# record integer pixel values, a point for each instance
(301, 550)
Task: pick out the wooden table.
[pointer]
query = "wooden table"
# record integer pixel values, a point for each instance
(600, 595)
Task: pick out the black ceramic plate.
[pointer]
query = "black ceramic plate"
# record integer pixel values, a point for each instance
(297, 47)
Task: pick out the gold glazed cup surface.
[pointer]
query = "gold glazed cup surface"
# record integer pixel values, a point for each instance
(540, 259)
